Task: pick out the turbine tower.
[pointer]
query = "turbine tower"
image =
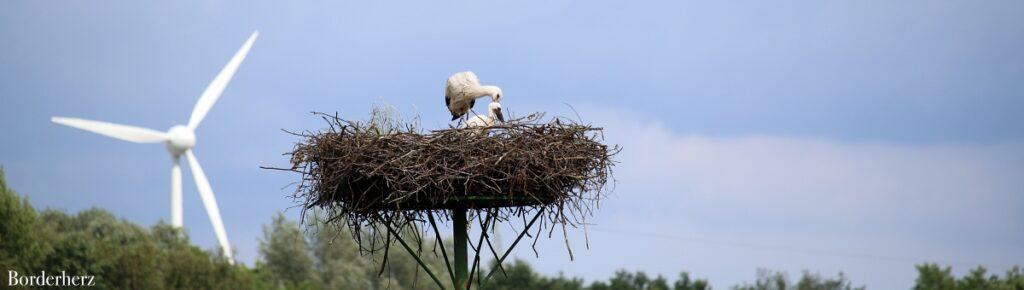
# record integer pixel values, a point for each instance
(179, 140)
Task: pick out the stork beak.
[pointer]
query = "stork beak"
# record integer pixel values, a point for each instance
(500, 116)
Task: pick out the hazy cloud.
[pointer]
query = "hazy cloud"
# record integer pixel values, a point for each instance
(722, 206)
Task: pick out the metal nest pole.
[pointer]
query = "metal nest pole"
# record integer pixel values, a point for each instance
(386, 181)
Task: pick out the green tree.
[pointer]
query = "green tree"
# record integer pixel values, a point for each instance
(933, 277)
(659, 283)
(337, 259)
(118, 253)
(286, 254)
(1014, 279)
(519, 275)
(404, 269)
(685, 283)
(639, 281)
(815, 282)
(185, 266)
(22, 238)
(766, 280)
(337, 263)
(771, 280)
(976, 280)
(561, 282)
(123, 255)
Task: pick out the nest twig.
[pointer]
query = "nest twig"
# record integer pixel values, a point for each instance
(366, 175)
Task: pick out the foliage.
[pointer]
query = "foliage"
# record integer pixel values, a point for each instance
(120, 254)
(933, 277)
(22, 239)
(519, 275)
(286, 254)
(769, 280)
(123, 255)
(684, 283)
(624, 280)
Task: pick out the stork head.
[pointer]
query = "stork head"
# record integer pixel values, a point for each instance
(494, 92)
(181, 139)
(495, 110)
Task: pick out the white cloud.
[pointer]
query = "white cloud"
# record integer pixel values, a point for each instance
(722, 206)
(822, 179)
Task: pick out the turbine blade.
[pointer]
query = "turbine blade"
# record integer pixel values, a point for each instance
(123, 132)
(210, 202)
(216, 87)
(176, 213)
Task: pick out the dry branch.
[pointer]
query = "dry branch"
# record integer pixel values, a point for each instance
(367, 175)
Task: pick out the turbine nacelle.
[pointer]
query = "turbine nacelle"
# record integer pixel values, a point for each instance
(180, 139)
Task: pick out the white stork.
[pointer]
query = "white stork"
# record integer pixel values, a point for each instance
(493, 113)
(462, 91)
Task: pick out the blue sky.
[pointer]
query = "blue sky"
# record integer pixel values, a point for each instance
(861, 136)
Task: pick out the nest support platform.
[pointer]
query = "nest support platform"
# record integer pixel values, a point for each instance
(383, 179)
(462, 273)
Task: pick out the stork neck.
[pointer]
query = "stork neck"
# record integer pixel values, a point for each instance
(486, 91)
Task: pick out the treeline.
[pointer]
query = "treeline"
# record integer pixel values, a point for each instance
(123, 255)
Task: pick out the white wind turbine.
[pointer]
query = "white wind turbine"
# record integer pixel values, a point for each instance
(179, 140)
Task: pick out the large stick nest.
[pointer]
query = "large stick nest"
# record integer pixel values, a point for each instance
(368, 174)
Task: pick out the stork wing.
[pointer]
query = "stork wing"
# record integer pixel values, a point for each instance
(216, 87)
(462, 79)
(118, 131)
(457, 84)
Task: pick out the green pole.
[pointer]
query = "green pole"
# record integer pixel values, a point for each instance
(461, 258)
